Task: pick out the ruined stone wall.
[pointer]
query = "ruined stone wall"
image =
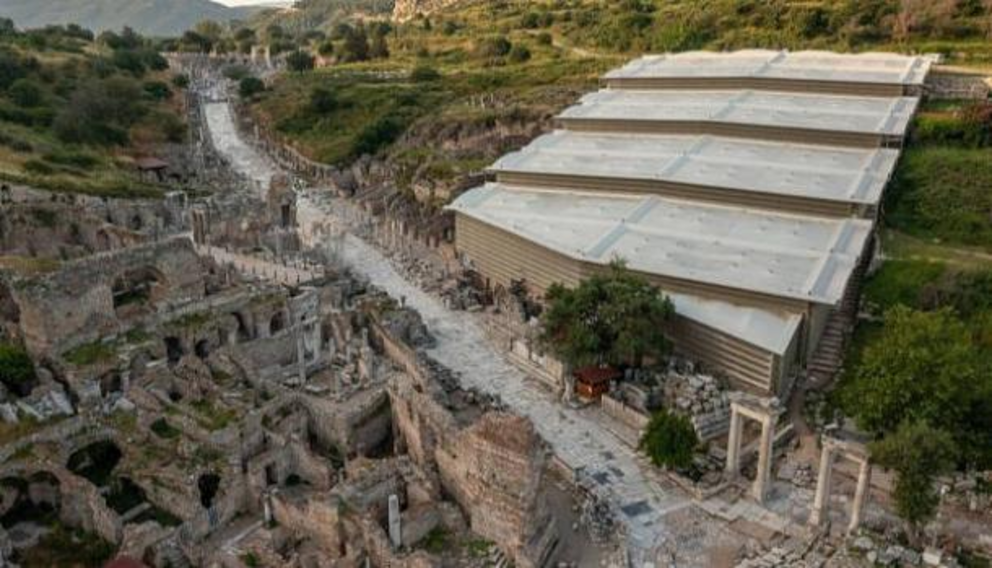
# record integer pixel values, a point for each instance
(317, 517)
(76, 302)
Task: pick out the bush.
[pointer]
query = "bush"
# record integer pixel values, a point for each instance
(424, 74)
(544, 38)
(81, 160)
(493, 47)
(377, 135)
(101, 112)
(519, 54)
(163, 429)
(38, 167)
(669, 440)
(16, 369)
(299, 61)
(250, 86)
(158, 90)
(323, 101)
(180, 81)
(25, 93)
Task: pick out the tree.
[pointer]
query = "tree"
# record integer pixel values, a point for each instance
(16, 369)
(250, 86)
(101, 112)
(356, 45)
(921, 368)
(299, 61)
(669, 440)
(379, 48)
(25, 93)
(918, 453)
(616, 317)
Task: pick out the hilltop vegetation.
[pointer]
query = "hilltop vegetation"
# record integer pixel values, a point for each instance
(152, 17)
(74, 108)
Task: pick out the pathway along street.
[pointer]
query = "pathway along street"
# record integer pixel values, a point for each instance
(641, 499)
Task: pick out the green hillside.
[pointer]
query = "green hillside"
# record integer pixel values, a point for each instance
(74, 111)
(151, 17)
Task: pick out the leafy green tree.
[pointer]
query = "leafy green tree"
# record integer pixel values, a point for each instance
(616, 317)
(299, 61)
(16, 369)
(355, 46)
(669, 440)
(250, 86)
(158, 90)
(923, 367)
(26, 93)
(918, 453)
(101, 112)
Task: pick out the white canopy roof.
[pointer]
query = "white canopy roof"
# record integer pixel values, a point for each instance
(769, 330)
(856, 175)
(780, 254)
(876, 68)
(830, 113)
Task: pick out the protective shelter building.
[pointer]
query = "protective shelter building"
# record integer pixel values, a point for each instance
(746, 185)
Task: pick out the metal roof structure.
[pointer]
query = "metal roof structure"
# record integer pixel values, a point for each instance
(778, 254)
(885, 116)
(770, 330)
(852, 175)
(873, 68)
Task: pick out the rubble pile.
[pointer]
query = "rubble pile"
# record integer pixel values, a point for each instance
(597, 516)
(798, 474)
(701, 397)
(890, 554)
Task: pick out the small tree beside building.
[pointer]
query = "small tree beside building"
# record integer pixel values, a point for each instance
(617, 318)
(669, 440)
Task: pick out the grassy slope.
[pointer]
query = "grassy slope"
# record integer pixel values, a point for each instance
(34, 155)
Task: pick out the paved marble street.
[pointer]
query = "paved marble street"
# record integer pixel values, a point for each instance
(642, 500)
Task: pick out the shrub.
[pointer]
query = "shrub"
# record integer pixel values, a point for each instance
(299, 61)
(250, 86)
(158, 90)
(544, 38)
(323, 101)
(669, 440)
(180, 81)
(101, 112)
(377, 135)
(25, 93)
(493, 47)
(38, 167)
(16, 369)
(82, 160)
(519, 54)
(424, 74)
(163, 429)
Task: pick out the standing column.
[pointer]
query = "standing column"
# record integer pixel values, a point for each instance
(395, 530)
(734, 443)
(821, 503)
(764, 473)
(860, 496)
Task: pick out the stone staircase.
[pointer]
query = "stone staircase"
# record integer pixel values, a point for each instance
(828, 358)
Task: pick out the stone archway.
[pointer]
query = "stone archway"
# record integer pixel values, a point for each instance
(765, 412)
(834, 447)
(277, 323)
(136, 288)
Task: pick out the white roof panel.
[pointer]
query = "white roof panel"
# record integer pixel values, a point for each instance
(770, 330)
(873, 68)
(855, 175)
(831, 113)
(780, 254)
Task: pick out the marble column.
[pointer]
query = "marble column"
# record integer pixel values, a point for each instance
(821, 503)
(860, 496)
(395, 530)
(764, 472)
(734, 443)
